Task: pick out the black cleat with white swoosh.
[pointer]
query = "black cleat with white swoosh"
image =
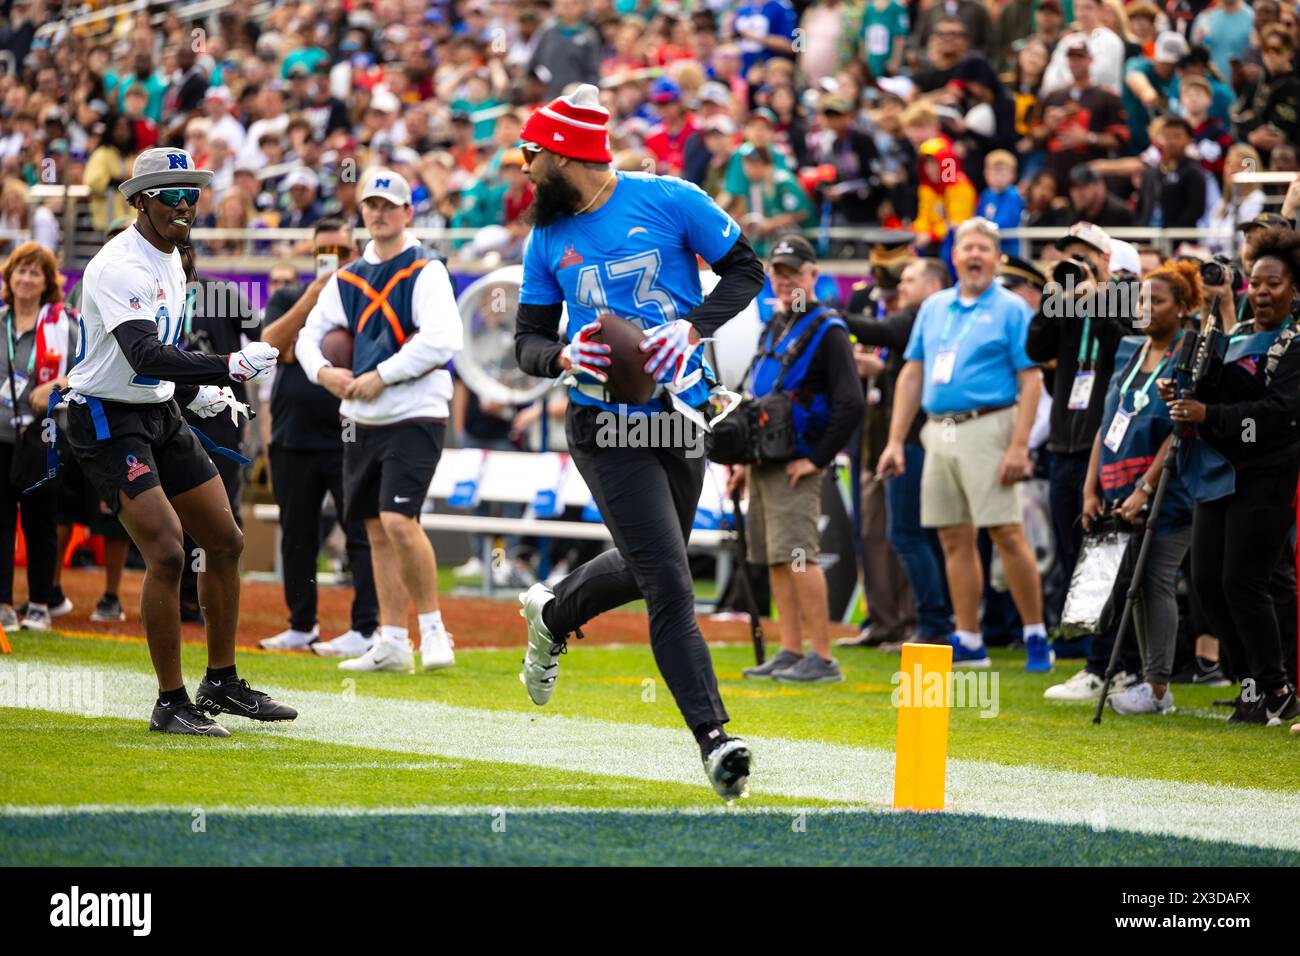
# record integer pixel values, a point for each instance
(184, 718)
(236, 697)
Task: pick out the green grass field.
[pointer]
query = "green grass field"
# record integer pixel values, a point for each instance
(459, 767)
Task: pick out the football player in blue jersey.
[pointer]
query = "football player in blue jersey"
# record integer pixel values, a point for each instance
(627, 244)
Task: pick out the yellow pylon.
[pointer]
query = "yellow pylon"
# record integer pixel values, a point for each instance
(921, 746)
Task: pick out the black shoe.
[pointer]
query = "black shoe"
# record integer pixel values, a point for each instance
(1249, 711)
(1279, 708)
(109, 608)
(1201, 671)
(236, 697)
(184, 718)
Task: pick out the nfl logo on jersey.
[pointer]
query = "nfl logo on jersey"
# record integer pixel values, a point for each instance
(134, 301)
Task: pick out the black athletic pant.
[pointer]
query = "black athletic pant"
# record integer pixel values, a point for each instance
(300, 481)
(1237, 544)
(39, 515)
(647, 498)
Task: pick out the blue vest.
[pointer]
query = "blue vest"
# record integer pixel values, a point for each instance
(811, 412)
(1204, 469)
(378, 300)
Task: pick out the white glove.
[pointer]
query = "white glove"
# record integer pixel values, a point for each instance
(672, 345)
(584, 355)
(247, 364)
(212, 400)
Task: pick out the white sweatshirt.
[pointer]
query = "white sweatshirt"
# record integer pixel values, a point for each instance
(1107, 69)
(416, 387)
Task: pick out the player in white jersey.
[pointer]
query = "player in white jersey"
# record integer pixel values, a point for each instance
(128, 435)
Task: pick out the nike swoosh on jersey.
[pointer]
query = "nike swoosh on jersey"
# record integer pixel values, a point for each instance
(726, 232)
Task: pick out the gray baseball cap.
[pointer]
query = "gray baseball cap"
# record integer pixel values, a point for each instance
(164, 166)
(386, 184)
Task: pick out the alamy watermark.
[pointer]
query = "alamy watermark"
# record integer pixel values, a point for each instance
(75, 690)
(649, 430)
(974, 689)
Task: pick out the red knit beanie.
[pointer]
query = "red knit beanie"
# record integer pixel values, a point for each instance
(573, 126)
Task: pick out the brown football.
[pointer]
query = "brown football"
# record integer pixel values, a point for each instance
(628, 380)
(337, 348)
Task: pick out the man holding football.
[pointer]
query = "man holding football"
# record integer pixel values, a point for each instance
(626, 244)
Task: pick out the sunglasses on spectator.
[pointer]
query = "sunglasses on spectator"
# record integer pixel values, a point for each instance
(1277, 50)
(173, 197)
(341, 251)
(950, 34)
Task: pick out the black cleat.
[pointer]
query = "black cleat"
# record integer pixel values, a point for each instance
(236, 697)
(184, 718)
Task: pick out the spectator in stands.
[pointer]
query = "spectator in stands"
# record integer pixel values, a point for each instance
(109, 165)
(1150, 84)
(1106, 51)
(785, 497)
(1000, 202)
(945, 196)
(42, 339)
(852, 152)
(1172, 195)
(884, 30)
(988, 114)
(1271, 114)
(18, 212)
(1143, 17)
(974, 16)
(183, 99)
(144, 76)
(306, 459)
(1114, 19)
(719, 138)
(1082, 121)
(667, 141)
(772, 203)
(764, 29)
(967, 368)
(1225, 30)
(133, 105)
(1091, 201)
(568, 47)
(916, 547)
(1210, 137)
(1247, 413)
(945, 48)
(303, 186)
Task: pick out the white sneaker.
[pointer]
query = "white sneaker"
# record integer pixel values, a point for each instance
(473, 568)
(351, 644)
(1083, 686)
(1141, 699)
(436, 649)
(290, 640)
(558, 574)
(36, 619)
(385, 655)
(63, 607)
(542, 656)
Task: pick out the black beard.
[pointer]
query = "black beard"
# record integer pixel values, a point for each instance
(552, 200)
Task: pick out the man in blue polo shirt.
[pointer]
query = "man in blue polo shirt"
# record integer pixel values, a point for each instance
(966, 367)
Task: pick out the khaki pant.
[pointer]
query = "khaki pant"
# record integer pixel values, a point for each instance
(960, 485)
(783, 520)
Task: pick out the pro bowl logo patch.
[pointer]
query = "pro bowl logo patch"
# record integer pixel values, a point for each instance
(135, 468)
(571, 257)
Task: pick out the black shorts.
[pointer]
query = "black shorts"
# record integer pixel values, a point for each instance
(390, 467)
(132, 448)
(80, 503)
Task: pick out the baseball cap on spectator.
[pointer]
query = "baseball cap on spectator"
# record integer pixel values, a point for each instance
(1084, 175)
(384, 101)
(386, 184)
(406, 156)
(665, 90)
(1140, 8)
(1088, 234)
(1170, 48)
(1078, 43)
(836, 106)
(572, 126)
(164, 166)
(766, 115)
(714, 92)
(1124, 257)
(1268, 220)
(300, 176)
(221, 93)
(902, 86)
(792, 250)
(719, 124)
(1052, 6)
(1195, 79)
(1014, 271)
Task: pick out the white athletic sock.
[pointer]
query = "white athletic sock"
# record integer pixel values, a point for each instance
(394, 635)
(970, 640)
(431, 620)
(1035, 630)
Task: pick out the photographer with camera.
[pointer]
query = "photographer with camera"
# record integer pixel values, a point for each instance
(1246, 411)
(1078, 324)
(1128, 455)
(806, 352)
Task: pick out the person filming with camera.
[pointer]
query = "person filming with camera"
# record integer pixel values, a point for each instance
(1078, 324)
(1246, 410)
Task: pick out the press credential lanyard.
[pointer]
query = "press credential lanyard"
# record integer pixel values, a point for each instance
(946, 360)
(1085, 377)
(1141, 398)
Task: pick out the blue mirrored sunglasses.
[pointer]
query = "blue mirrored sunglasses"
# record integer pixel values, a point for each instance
(174, 197)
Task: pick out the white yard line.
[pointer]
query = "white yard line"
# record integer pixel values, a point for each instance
(836, 773)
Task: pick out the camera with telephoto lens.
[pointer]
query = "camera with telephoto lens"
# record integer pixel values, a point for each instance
(1072, 272)
(1222, 271)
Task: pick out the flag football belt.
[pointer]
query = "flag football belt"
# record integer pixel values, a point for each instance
(957, 418)
(602, 394)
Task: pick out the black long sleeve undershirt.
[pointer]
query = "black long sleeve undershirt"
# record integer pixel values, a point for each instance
(741, 277)
(148, 356)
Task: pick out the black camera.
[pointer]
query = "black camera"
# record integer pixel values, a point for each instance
(1071, 272)
(1222, 271)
